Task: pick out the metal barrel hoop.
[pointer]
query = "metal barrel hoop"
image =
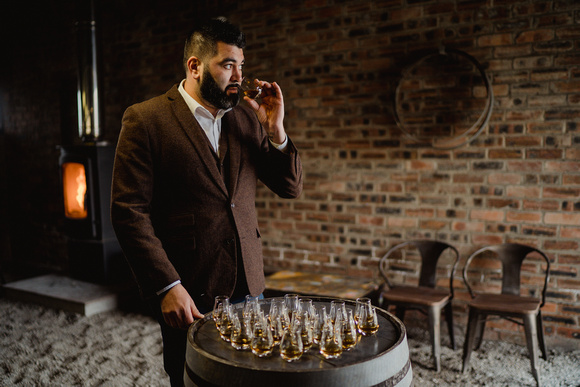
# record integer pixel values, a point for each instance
(482, 121)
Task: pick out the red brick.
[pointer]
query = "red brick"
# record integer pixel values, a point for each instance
(405, 177)
(568, 32)
(499, 64)
(562, 166)
(417, 165)
(317, 217)
(562, 218)
(523, 141)
(484, 240)
(505, 154)
(571, 333)
(524, 166)
(524, 115)
(520, 50)
(406, 13)
(562, 114)
(549, 74)
(499, 90)
(322, 258)
(502, 203)
(327, 12)
(547, 100)
(546, 205)
(528, 217)
(563, 193)
(539, 231)
(536, 63)
(422, 213)
(570, 232)
(371, 221)
(433, 224)
(534, 8)
(566, 87)
(306, 103)
(574, 99)
(504, 178)
(569, 284)
(312, 227)
(524, 192)
(545, 128)
(557, 19)
(545, 153)
(401, 222)
(488, 215)
(571, 180)
(535, 36)
(468, 226)
(468, 178)
(511, 77)
(495, 40)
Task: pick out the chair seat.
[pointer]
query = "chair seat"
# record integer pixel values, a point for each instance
(507, 304)
(420, 295)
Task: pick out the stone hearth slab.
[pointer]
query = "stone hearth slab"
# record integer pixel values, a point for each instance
(64, 293)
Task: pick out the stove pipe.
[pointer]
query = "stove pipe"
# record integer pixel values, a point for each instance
(88, 100)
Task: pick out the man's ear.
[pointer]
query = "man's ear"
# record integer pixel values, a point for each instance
(195, 67)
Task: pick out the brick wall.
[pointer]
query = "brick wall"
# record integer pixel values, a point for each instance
(367, 185)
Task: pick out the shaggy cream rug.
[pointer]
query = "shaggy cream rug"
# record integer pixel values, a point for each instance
(46, 347)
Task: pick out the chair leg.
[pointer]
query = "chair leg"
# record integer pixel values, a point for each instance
(532, 342)
(469, 338)
(480, 330)
(381, 300)
(541, 339)
(400, 312)
(435, 332)
(449, 319)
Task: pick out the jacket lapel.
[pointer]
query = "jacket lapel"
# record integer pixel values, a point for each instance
(196, 135)
(229, 123)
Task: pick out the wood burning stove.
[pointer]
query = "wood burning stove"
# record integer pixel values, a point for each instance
(94, 253)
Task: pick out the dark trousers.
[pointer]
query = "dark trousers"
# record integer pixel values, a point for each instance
(174, 346)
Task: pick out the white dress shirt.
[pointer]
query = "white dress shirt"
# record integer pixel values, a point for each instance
(212, 126)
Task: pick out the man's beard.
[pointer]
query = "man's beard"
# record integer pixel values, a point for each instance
(211, 92)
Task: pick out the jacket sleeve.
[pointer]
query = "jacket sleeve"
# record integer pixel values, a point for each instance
(280, 171)
(131, 198)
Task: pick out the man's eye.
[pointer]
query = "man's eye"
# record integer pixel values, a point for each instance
(228, 66)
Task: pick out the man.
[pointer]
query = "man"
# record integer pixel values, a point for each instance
(184, 183)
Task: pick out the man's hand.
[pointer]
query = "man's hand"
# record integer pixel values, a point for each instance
(178, 308)
(271, 111)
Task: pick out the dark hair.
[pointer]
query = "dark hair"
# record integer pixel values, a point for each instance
(202, 42)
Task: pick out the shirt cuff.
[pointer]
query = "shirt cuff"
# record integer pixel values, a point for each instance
(168, 287)
(282, 146)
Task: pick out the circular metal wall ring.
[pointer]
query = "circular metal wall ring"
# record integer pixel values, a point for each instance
(434, 130)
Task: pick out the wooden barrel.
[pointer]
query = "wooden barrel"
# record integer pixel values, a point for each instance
(378, 360)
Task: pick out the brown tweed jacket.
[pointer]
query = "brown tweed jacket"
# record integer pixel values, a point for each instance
(179, 211)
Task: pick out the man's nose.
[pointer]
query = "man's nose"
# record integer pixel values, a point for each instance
(237, 75)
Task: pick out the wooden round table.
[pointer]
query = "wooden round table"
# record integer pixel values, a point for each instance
(378, 360)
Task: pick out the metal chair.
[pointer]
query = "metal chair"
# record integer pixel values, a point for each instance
(423, 297)
(509, 304)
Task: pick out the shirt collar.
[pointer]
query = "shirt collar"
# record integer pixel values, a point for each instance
(196, 108)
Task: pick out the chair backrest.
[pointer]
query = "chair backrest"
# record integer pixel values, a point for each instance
(511, 256)
(430, 252)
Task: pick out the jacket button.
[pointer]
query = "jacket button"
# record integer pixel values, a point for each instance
(232, 205)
